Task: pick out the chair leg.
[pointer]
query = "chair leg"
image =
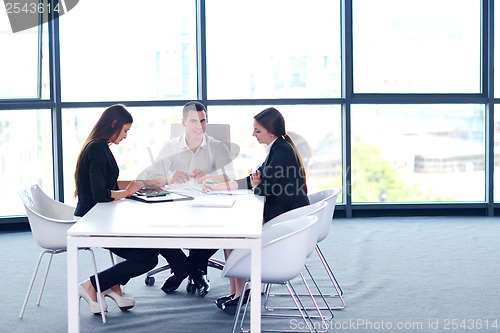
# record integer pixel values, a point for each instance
(320, 293)
(320, 315)
(112, 258)
(305, 309)
(267, 293)
(300, 306)
(45, 278)
(99, 298)
(158, 270)
(32, 281)
(334, 281)
(238, 309)
(215, 263)
(329, 271)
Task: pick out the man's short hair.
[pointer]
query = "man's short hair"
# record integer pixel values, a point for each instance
(192, 106)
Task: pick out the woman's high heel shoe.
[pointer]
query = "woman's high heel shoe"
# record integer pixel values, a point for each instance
(223, 299)
(124, 303)
(95, 308)
(230, 306)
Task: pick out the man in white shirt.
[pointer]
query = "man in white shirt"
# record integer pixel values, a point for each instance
(192, 156)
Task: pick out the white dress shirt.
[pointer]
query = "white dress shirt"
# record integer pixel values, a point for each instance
(212, 156)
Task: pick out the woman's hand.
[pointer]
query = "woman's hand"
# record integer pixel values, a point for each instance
(133, 187)
(211, 185)
(255, 178)
(157, 181)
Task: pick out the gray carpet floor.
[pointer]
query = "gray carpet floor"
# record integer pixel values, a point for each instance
(418, 274)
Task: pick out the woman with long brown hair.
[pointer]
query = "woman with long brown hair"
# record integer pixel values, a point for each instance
(96, 178)
(281, 179)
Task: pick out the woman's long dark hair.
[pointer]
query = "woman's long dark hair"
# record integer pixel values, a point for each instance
(272, 120)
(107, 128)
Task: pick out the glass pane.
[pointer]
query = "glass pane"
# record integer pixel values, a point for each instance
(273, 49)
(496, 170)
(129, 51)
(497, 52)
(151, 128)
(315, 129)
(26, 159)
(18, 62)
(418, 153)
(419, 46)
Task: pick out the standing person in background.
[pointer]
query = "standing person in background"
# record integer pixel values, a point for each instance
(281, 179)
(96, 178)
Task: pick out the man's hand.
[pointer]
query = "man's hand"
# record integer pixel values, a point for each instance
(180, 177)
(198, 175)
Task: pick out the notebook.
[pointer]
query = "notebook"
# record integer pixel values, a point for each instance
(213, 201)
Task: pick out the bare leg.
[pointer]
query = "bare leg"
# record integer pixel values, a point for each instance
(238, 285)
(117, 289)
(232, 281)
(87, 285)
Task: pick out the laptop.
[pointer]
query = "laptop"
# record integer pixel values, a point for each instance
(213, 201)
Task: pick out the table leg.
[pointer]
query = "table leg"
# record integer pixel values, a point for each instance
(255, 304)
(73, 299)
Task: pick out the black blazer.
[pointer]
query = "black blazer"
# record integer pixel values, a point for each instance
(97, 176)
(281, 181)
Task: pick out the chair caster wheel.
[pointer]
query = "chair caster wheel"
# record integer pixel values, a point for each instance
(149, 281)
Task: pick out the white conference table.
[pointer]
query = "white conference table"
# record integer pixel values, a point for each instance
(133, 224)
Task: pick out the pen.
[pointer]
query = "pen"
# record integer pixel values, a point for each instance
(157, 194)
(209, 183)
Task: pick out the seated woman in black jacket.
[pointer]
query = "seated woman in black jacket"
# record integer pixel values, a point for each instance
(281, 179)
(96, 178)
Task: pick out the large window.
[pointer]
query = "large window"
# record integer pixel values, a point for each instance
(26, 156)
(418, 153)
(496, 148)
(23, 71)
(497, 54)
(418, 46)
(412, 129)
(123, 50)
(273, 49)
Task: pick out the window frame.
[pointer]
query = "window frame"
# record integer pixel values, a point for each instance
(348, 98)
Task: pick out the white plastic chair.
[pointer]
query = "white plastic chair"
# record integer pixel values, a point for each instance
(318, 209)
(292, 240)
(330, 197)
(49, 220)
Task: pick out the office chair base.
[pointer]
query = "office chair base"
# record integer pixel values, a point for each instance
(149, 280)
